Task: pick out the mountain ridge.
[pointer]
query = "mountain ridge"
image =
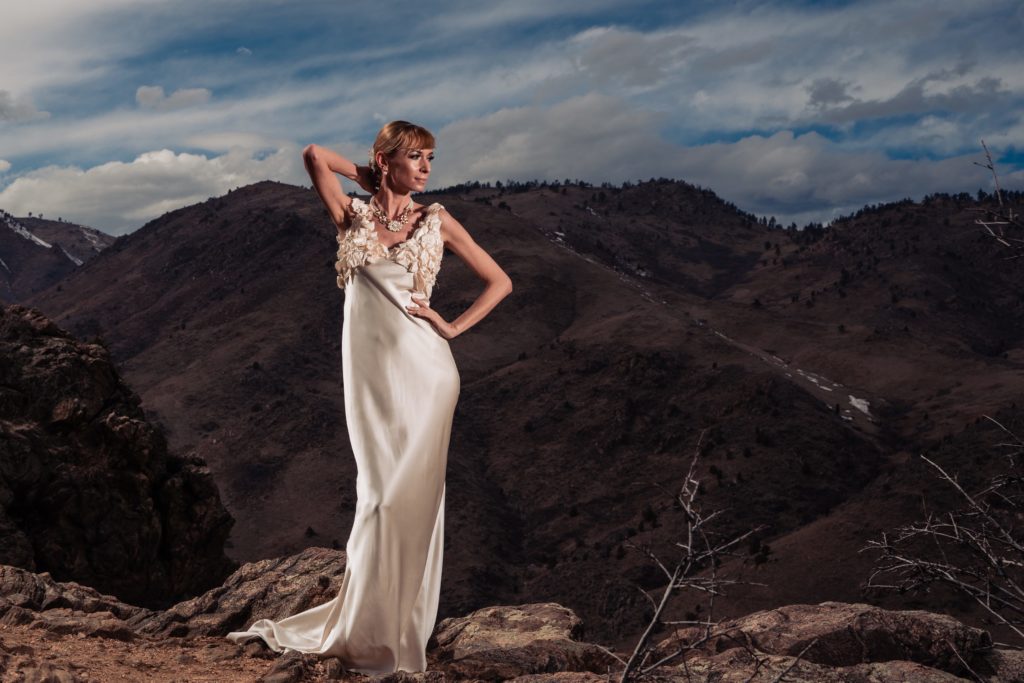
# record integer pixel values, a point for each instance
(583, 389)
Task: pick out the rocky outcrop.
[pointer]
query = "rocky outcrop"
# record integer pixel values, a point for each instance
(826, 643)
(845, 634)
(268, 589)
(88, 490)
(502, 643)
(849, 640)
(39, 601)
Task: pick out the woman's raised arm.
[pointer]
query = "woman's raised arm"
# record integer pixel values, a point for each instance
(322, 164)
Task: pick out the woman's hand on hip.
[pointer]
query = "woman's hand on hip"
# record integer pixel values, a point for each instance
(420, 309)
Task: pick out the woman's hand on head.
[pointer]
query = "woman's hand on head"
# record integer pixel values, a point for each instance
(365, 179)
(420, 309)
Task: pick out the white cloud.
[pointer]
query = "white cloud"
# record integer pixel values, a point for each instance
(777, 67)
(593, 137)
(55, 42)
(619, 56)
(227, 140)
(786, 174)
(119, 197)
(278, 114)
(153, 97)
(461, 17)
(5, 166)
(18, 109)
(589, 93)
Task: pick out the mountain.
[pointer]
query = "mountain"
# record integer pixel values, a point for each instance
(644, 319)
(37, 253)
(663, 231)
(78, 242)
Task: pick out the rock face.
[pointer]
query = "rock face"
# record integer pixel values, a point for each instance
(268, 589)
(849, 640)
(102, 638)
(88, 490)
(500, 643)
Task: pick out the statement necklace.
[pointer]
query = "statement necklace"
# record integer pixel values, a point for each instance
(395, 224)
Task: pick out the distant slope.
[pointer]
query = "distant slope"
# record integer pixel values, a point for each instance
(909, 300)
(583, 395)
(36, 253)
(79, 242)
(817, 364)
(662, 231)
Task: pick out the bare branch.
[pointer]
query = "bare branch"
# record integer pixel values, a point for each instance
(796, 660)
(978, 548)
(696, 571)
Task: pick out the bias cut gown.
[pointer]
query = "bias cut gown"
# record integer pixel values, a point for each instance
(401, 385)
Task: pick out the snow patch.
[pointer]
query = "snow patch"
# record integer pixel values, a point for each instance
(76, 261)
(24, 232)
(92, 237)
(860, 404)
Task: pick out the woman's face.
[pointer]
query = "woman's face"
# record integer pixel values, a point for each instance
(410, 168)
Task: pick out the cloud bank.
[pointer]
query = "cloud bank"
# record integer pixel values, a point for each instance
(153, 97)
(790, 109)
(123, 196)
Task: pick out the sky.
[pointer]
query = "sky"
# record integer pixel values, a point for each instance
(113, 112)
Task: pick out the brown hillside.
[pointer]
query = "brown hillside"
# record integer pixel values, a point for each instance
(638, 320)
(37, 253)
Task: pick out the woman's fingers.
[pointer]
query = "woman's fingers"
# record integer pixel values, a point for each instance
(417, 306)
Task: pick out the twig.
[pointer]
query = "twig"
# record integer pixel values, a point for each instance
(695, 570)
(796, 660)
(964, 661)
(988, 565)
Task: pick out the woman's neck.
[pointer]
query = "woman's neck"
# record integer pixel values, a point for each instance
(391, 202)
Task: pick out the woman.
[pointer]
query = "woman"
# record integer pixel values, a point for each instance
(401, 386)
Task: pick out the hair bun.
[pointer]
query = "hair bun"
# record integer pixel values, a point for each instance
(374, 169)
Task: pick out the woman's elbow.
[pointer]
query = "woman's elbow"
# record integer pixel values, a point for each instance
(309, 153)
(508, 285)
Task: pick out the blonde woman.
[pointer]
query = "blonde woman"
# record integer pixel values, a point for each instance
(401, 386)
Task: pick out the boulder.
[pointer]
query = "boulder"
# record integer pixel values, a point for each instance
(37, 600)
(268, 589)
(504, 642)
(740, 665)
(845, 634)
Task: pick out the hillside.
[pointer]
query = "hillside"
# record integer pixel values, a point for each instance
(638, 321)
(37, 253)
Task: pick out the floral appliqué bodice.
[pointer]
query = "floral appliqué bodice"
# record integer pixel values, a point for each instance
(420, 252)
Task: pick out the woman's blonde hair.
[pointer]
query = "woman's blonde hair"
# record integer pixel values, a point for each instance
(398, 135)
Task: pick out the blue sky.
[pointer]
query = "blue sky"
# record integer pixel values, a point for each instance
(115, 111)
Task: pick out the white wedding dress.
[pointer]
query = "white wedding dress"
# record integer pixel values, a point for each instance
(401, 385)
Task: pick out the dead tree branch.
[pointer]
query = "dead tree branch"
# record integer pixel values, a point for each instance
(978, 549)
(998, 223)
(696, 569)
